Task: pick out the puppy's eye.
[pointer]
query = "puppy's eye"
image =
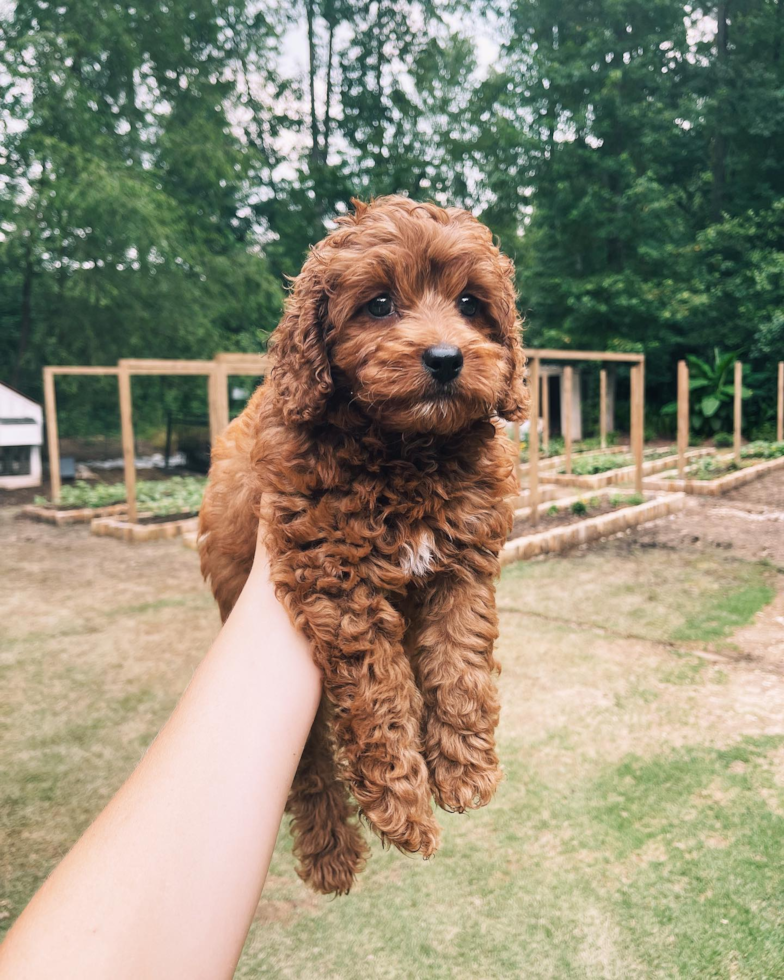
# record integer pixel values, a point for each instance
(380, 306)
(468, 304)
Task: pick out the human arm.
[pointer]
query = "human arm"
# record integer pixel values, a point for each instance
(166, 880)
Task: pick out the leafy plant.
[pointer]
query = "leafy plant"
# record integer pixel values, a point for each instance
(711, 393)
(710, 468)
(579, 508)
(552, 510)
(178, 495)
(762, 450)
(723, 439)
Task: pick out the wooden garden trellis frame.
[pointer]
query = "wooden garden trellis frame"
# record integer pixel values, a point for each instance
(683, 411)
(217, 372)
(636, 411)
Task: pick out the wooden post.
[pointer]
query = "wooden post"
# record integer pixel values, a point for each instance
(683, 416)
(603, 408)
(212, 402)
(566, 416)
(222, 392)
(545, 383)
(637, 423)
(129, 455)
(52, 436)
(533, 441)
(780, 412)
(738, 409)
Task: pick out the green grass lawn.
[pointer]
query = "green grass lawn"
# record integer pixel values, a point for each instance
(639, 831)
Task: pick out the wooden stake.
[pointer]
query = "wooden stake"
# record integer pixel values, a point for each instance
(52, 437)
(683, 416)
(738, 408)
(129, 455)
(780, 413)
(533, 441)
(545, 382)
(518, 446)
(603, 408)
(637, 423)
(566, 416)
(212, 401)
(222, 395)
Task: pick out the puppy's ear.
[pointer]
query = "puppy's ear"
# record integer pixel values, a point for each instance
(301, 376)
(514, 402)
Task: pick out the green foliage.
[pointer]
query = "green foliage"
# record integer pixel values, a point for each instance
(177, 495)
(163, 173)
(592, 465)
(711, 395)
(762, 450)
(579, 507)
(552, 510)
(723, 439)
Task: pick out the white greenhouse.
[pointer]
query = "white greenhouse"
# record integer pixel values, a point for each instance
(21, 435)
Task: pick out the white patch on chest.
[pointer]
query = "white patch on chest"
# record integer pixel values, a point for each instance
(417, 558)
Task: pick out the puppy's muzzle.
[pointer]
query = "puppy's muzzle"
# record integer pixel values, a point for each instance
(444, 362)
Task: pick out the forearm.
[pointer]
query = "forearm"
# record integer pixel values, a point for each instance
(166, 881)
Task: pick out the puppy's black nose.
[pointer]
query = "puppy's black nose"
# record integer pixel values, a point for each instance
(444, 362)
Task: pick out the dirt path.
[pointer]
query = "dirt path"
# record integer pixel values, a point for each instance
(748, 523)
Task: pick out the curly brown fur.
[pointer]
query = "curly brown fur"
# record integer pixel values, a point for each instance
(385, 498)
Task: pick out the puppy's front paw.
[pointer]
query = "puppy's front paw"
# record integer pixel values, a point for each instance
(416, 832)
(468, 781)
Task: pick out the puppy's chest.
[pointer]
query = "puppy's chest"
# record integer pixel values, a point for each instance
(419, 555)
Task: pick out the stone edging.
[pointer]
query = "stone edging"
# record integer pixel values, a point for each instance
(126, 531)
(722, 484)
(591, 529)
(623, 473)
(546, 492)
(77, 515)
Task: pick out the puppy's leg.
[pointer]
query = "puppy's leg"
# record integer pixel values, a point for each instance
(377, 709)
(328, 841)
(454, 640)
(377, 723)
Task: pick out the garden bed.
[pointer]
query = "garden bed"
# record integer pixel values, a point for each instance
(147, 527)
(724, 477)
(565, 526)
(624, 470)
(59, 515)
(82, 502)
(549, 463)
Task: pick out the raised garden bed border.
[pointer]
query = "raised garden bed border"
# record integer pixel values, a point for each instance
(719, 486)
(546, 493)
(74, 515)
(126, 530)
(591, 529)
(596, 481)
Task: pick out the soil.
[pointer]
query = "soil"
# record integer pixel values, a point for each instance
(55, 508)
(167, 518)
(563, 518)
(747, 522)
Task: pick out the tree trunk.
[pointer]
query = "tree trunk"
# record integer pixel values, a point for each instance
(26, 313)
(312, 68)
(327, 116)
(719, 149)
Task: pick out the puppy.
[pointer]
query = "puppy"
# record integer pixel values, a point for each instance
(376, 459)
